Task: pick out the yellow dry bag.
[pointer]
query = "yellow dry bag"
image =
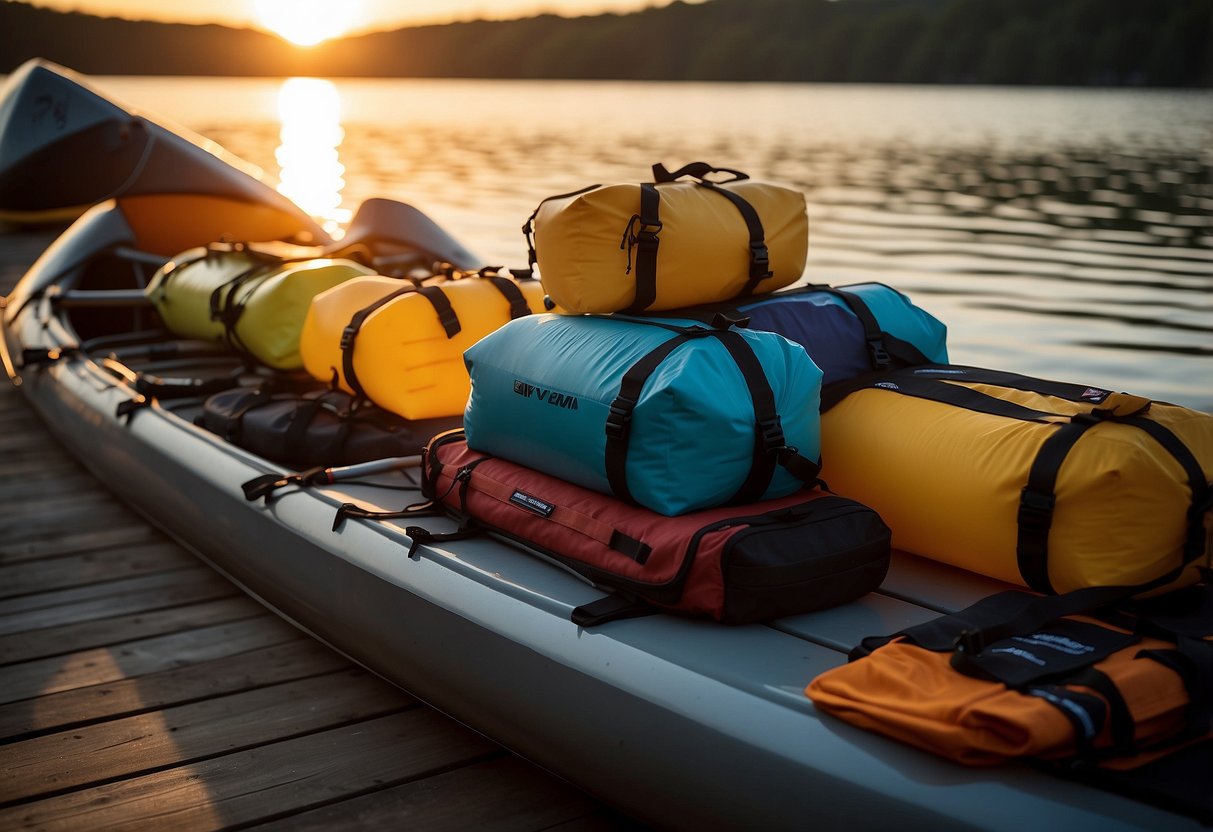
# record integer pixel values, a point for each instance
(1045, 484)
(253, 299)
(401, 344)
(670, 244)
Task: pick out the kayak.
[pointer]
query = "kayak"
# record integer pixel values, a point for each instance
(678, 722)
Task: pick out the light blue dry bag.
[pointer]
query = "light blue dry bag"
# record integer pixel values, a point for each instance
(671, 416)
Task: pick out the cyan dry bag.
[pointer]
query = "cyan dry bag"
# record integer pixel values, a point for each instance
(847, 330)
(670, 416)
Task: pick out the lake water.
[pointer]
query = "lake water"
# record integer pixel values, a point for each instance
(1058, 232)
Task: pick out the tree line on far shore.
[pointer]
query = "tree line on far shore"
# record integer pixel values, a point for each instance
(1166, 43)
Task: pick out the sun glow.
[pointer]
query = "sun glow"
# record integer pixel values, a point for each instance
(307, 22)
(310, 170)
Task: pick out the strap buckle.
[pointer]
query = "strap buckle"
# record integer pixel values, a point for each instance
(770, 433)
(881, 360)
(760, 260)
(1035, 510)
(347, 337)
(619, 419)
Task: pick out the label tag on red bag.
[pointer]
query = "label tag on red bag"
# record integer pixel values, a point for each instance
(532, 504)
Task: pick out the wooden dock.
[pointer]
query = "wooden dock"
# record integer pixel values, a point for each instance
(141, 690)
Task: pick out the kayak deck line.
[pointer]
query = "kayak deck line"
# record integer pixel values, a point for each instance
(140, 685)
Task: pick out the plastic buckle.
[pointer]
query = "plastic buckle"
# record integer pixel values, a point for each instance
(646, 234)
(770, 432)
(1035, 510)
(760, 260)
(881, 360)
(347, 337)
(619, 419)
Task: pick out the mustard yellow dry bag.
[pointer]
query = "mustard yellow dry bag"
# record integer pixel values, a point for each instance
(1048, 485)
(401, 345)
(669, 244)
(253, 299)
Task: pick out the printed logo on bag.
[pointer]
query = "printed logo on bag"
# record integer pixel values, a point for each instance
(1094, 394)
(542, 394)
(931, 371)
(887, 385)
(532, 504)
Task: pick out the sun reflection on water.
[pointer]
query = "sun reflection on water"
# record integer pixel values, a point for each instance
(310, 170)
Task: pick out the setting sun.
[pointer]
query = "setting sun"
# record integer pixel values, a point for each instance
(307, 22)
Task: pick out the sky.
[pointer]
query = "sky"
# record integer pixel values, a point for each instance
(358, 15)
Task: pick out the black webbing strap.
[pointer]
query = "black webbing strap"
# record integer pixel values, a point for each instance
(643, 231)
(760, 257)
(1120, 718)
(224, 307)
(619, 419)
(1201, 503)
(1001, 378)
(1192, 661)
(294, 438)
(349, 335)
(509, 289)
(613, 607)
(770, 447)
(935, 389)
(1036, 503)
(698, 170)
(266, 484)
(883, 349)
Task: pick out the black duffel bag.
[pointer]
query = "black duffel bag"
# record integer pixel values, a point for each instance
(317, 428)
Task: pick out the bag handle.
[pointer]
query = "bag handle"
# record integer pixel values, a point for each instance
(696, 170)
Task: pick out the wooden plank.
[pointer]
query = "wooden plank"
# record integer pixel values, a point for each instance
(297, 659)
(504, 794)
(49, 464)
(29, 490)
(141, 656)
(103, 589)
(112, 536)
(90, 567)
(55, 641)
(243, 788)
(106, 600)
(73, 515)
(63, 512)
(125, 747)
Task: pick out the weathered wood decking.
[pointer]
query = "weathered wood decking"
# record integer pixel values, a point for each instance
(141, 690)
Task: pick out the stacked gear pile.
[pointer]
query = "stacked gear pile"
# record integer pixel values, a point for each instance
(1090, 497)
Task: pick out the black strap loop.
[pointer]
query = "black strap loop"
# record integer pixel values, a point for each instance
(643, 232)
(760, 259)
(770, 447)
(697, 170)
(613, 607)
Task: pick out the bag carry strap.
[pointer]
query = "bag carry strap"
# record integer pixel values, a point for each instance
(770, 447)
(349, 335)
(884, 350)
(642, 233)
(644, 228)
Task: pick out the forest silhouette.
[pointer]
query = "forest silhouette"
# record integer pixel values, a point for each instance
(1166, 43)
